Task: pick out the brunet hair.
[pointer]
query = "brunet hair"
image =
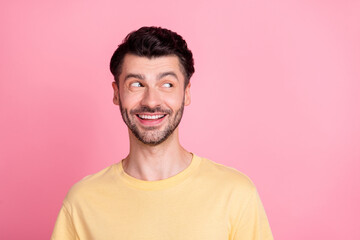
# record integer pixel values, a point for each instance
(153, 42)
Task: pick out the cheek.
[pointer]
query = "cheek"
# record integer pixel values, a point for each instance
(129, 100)
(174, 101)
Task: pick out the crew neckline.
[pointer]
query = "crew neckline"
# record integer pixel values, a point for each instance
(163, 183)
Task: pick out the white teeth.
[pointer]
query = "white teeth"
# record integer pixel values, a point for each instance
(151, 116)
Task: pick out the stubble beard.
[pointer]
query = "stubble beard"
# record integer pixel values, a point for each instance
(149, 135)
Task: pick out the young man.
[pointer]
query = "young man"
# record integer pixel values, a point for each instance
(160, 190)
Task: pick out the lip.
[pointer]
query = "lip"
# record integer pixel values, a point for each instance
(151, 122)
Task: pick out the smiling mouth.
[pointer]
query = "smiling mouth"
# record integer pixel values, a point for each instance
(150, 117)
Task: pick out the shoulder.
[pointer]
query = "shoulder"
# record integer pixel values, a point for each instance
(233, 188)
(92, 184)
(226, 176)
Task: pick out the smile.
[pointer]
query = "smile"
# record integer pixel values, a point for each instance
(150, 117)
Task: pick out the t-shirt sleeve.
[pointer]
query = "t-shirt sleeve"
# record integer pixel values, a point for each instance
(64, 228)
(252, 223)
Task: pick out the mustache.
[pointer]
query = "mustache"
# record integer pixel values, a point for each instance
(147, 109)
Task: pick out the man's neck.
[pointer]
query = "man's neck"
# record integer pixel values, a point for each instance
(151, 163)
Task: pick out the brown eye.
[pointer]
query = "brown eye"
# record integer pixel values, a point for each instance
(136, 84)
(168, 85)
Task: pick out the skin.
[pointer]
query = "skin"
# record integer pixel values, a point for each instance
(147, 85)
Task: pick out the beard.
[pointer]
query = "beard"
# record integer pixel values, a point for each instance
(150, 135)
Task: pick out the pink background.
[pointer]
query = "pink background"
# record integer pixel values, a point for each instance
(275, 95)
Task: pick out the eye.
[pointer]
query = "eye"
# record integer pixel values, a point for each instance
(168, 85)
(136, 84)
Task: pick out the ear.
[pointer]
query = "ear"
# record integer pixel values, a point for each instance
(187, 95)
(116, 99)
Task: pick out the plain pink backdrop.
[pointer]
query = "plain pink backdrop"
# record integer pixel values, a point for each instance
(275, 95)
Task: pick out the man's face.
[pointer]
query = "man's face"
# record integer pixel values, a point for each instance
(151, 96)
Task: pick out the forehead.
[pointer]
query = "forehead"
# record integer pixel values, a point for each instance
(148, 66)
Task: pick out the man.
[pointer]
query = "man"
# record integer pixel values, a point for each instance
(160, 190)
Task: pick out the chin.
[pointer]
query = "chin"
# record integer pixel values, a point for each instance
(151, 140)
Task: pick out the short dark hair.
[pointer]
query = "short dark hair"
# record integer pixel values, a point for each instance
(153, 42)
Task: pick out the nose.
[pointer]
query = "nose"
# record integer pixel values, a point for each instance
(151, 98)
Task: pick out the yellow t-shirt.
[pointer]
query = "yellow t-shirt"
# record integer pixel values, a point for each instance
(206, 201)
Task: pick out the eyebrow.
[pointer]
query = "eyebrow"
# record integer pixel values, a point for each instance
(165, 74)
(159, 76)
(132, 75)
